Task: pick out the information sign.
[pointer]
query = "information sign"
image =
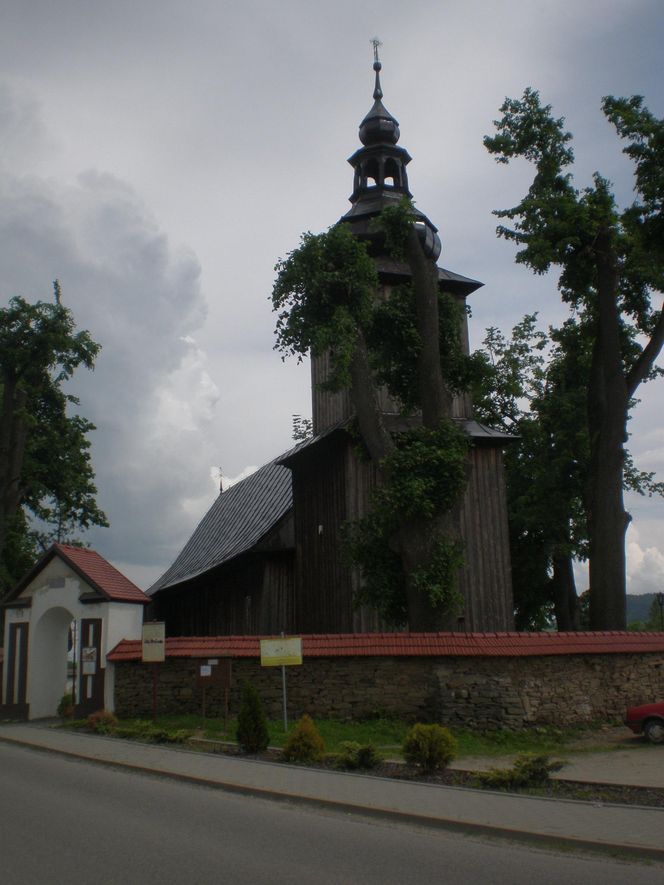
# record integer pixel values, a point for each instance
(284, 651)
(89, 661)
(154, 642)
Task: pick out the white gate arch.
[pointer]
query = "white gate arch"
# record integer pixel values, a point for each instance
(68, 585)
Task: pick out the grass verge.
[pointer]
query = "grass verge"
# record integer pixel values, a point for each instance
(385, 734)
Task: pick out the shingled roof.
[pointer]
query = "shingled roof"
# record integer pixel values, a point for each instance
(96, 571)
(238, 520)
(515, 645)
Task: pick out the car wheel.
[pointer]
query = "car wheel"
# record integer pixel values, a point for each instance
(654, 731)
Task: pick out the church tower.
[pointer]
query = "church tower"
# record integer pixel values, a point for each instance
(331, 485)
(380, 180)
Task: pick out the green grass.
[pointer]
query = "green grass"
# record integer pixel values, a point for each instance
(385, 734)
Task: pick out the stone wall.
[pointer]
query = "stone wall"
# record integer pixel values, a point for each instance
(556, 690)
(484, 692)
(339, 688)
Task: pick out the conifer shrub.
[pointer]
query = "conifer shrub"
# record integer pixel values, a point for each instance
(66, 706)
(430, 747)
(102, 722)
(252, 731)
(529, 770)
(352, 755)
(304, 743)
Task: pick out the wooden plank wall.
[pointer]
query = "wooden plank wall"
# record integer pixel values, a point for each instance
(485, 580)
(253, 595)
(322, 579)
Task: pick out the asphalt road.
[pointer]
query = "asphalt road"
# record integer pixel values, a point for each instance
(70, 822)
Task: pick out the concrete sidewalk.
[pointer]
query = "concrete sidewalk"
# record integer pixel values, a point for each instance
(628, 829)
(639, 766)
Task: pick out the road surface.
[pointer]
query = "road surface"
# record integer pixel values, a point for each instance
(69, 822)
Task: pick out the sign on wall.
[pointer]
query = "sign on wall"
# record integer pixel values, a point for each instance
(89, 660)
(154, 642)
(282, 652)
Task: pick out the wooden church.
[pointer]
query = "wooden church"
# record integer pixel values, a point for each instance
(267, 556)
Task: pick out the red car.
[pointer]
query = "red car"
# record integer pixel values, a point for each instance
(647, 719)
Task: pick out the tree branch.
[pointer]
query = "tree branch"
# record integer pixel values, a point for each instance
(646, 360)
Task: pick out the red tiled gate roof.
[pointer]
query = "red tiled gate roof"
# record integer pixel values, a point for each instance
(96, 571)
(410, 645)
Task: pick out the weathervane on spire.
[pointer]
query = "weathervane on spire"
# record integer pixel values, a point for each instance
(375, 42)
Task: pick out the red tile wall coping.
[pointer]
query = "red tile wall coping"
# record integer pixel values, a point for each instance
(410, 645)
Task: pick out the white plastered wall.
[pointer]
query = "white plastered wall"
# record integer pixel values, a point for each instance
(54, 595)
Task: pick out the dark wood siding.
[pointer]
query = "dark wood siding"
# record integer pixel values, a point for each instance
(323, 585)
(332, 484)
(251, 595)
(486, 580)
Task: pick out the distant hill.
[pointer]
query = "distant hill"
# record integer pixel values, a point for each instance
(638, 607)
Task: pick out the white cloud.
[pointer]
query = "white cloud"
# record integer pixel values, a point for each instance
(227, 127)
(645, 565)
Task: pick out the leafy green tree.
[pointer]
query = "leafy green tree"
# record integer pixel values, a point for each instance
(45, 466)
(536, 389)
(532, 393)
(327, 298)
(611, 265)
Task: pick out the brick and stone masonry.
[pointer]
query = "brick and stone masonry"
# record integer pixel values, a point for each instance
(473, 680)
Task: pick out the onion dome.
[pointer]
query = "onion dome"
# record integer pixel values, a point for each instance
(379, 125)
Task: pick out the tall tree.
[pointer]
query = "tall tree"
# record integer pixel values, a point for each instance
(611, 266)
(45, 466)
(326, 295)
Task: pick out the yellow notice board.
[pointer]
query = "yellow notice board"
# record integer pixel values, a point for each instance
(281, 652)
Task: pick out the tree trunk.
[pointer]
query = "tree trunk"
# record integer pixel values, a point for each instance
(13, 438)
(416, 541)
(435, 396)
(565, 600)
(608, 404)
(364, 397)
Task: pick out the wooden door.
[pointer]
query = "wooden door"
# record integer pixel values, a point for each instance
(91, 681)
(17, 672)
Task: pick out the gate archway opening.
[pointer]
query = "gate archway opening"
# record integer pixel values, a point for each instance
(47, 674)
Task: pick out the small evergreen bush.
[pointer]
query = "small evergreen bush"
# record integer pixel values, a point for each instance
(145, 730)
(66, 706)
(304, 743)
(102, 722)
(353, 755)
(252, 732)
(430, 747)
(529, 770)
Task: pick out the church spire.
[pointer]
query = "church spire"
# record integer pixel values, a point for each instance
(380, 169)
(379, 125)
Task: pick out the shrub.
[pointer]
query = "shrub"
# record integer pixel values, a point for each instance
(252, 733)
(147, 731)
(352, 755)
(102, 722)
(66, 706)
(304, 743)
(430, 747)
(529, 770)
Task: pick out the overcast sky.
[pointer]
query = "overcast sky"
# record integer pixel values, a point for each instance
(158, 157)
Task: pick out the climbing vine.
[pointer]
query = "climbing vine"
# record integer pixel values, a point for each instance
(327, 293)
(424, 477)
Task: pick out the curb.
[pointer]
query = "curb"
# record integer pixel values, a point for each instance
(614, 849)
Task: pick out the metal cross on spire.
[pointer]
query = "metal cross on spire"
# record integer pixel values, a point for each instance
(375, 42)
(378, 92)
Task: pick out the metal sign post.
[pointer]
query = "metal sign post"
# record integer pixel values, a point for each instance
(284, 694)
(283, 652)
(153, 649)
